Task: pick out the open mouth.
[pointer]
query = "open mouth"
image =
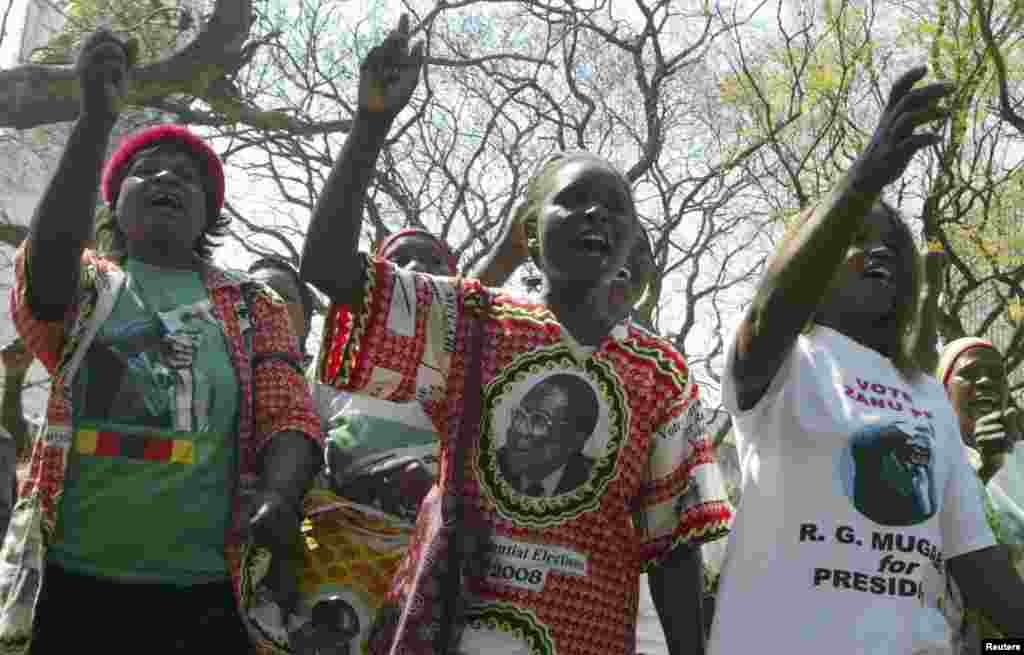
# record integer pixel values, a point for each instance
(881, 274)
(167, 200)
(594, 243)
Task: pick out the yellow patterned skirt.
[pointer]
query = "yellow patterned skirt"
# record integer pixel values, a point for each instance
(348, 554)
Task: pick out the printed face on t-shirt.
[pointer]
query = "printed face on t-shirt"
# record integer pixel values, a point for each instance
(138, 362)
(893, 479)
(550, 438)
(548, 428)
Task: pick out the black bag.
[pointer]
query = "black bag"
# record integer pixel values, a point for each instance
(393, 481)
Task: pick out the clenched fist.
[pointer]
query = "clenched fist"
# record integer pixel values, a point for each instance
(102, 67)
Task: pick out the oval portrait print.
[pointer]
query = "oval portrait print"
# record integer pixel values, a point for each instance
(552, 429)
(887, 472)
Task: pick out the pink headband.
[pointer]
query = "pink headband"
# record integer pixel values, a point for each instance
(956, 348)
(117, 166)
(411, 231)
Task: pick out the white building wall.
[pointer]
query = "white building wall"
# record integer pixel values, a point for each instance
(30, 156)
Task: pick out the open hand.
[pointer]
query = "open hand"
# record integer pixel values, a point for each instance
(390, 72)
(102, 69)
(894, 142)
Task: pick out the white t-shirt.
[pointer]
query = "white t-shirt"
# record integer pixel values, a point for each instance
(1006, 490)
(856, 491)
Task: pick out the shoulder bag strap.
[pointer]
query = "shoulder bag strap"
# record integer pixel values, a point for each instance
(469, 427)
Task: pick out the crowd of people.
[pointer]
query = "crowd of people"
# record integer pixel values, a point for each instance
(461, 469)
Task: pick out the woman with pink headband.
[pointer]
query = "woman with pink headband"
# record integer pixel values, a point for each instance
(381, 456)
(178, 428)
(418, 250)
(974, 375)
(361, 426)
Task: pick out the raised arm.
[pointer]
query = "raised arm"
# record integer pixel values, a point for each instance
(63, 220)
(497, 266)
(799, 275)
(387, 78)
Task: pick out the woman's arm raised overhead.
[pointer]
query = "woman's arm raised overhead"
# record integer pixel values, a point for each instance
(799, 274)
(63, 219)
(387, 78)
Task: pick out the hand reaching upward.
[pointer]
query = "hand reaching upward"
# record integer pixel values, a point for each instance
(102, 68)
(390, 72)
(894, 142)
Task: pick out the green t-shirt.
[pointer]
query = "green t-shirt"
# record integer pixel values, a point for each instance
(147, 495)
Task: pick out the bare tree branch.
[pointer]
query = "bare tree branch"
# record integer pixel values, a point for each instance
(1007, 109)
(3, 22)
(33, 94)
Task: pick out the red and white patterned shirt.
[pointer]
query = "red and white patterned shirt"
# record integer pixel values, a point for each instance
(569, 544)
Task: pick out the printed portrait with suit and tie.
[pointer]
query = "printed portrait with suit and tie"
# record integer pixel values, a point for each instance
(546, 434)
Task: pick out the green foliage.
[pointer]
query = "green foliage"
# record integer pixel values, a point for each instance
(835, 66)
(155, 23)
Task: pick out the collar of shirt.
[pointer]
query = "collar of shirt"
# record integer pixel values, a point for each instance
(581, 352)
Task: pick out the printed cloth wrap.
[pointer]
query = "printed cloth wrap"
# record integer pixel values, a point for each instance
(970, 625)
(348, 554)
(639, 480)
(255, 322)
